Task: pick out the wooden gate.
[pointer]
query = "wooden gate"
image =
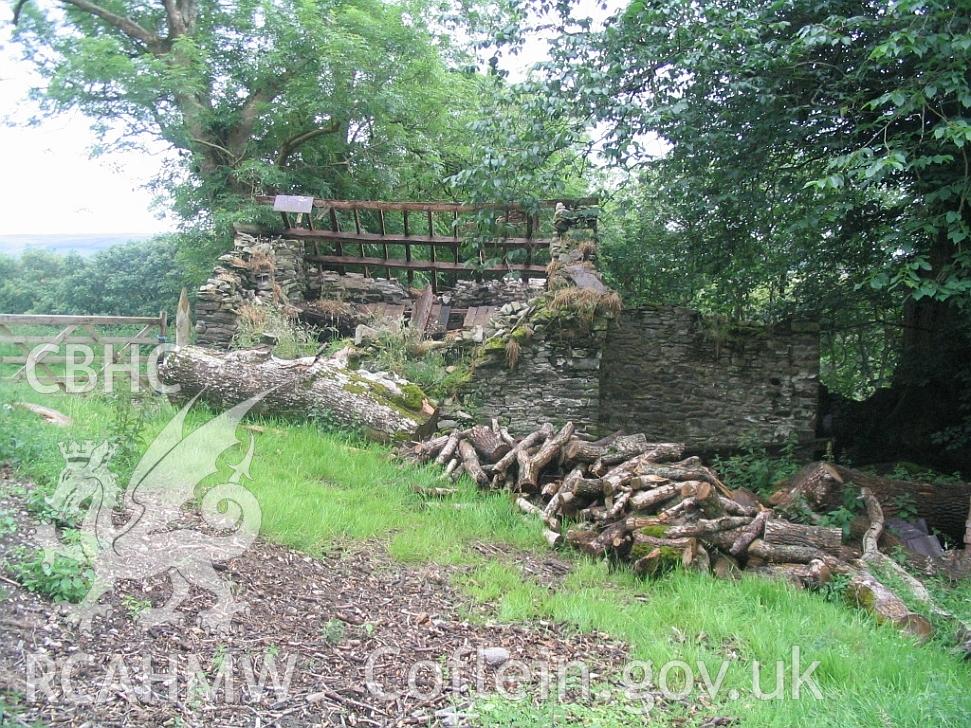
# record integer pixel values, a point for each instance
(42, 351)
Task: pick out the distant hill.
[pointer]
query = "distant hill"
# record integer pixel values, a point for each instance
(84, 244)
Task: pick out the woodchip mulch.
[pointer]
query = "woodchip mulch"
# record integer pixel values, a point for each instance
(327, 616)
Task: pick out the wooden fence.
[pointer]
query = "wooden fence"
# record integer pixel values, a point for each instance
(42, 351)
(421, 236)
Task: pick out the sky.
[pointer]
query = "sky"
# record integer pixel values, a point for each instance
(51, 185)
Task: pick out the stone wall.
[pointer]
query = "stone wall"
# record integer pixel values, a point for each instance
(664, 371)
(672, 374)
(551, 380)
(661, 370)
(355, 288)
(256, 269)
(493, 292)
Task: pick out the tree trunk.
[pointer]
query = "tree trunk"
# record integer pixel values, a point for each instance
(943, 505)
(384, 408)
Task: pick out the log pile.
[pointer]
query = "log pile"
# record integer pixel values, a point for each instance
(643, 502)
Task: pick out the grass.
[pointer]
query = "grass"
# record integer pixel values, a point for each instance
(321, 489)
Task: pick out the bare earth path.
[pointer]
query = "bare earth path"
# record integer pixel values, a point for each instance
(314, 633)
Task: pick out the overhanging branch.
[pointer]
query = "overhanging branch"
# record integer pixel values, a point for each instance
(290, 146)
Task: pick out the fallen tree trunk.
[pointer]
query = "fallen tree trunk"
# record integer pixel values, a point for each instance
(820, 487)
(943, 505)
(384, 408)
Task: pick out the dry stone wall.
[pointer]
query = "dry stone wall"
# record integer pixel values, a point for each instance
(355, 288)
(493, 292)
(550, 380)
(664, 371)
(672, 374)
(256, 269)
(661, 370)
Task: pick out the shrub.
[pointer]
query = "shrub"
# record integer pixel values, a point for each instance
(62, 579)
(753, 468)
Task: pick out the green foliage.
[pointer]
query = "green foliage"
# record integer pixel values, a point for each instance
(135, 279)
(754, 468)
(134, 606)
(815, 159)
(294, 338)
(906, 506)
(401, 350)
(334, 98)
(843, 516)
(62, 579)
(834, 590)
(126, 429)
(334, 631)
(8, 524)
(917, 473)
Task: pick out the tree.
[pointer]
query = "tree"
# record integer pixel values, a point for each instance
(324, 97)
(818, 165)
(133, 279)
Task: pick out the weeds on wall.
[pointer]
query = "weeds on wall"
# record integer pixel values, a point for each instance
(438, 370)
(293, 338)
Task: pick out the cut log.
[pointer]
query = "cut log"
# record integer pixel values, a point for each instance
(528, 508)
(488, 443)
(734, 508)
(751, 532)
(704, 527)
(614, 537)
(870, 594)
(780, 554)
(806, 576)
(530, 469)
(873, 557)
(659, 561)
(655, 453)
(584, 487)
(622, 446)
(380, 405)
(779, 531)
(525, 444)
(423, 451)
(582, 539)
(470, 461)
(644, 500)
(448, 449)
(818, 485)
(695, 557)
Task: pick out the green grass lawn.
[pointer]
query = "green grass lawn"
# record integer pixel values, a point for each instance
(318, 488)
